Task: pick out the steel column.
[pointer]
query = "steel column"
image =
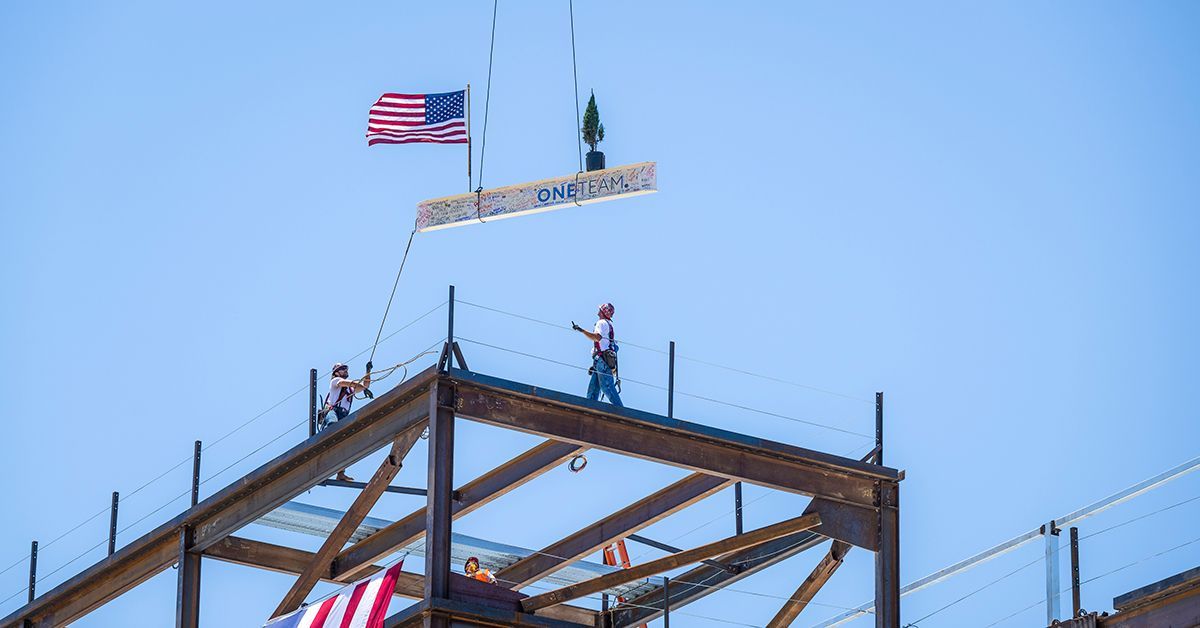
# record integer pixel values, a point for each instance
(32, 571)
(666, 602)
(439, 502)
(1053, 605)
(196, 474)
(112, 524)
(887, 558)
(671, 381)
(1075, 604)
(737, 507)
(312, 401)
(187, 601)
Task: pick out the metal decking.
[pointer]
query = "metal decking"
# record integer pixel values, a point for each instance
(319, 521)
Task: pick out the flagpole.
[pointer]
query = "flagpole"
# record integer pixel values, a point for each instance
(470, 179)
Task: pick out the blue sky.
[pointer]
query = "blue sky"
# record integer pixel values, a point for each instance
(986, 211)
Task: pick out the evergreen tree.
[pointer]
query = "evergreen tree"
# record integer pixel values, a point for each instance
(593, 130)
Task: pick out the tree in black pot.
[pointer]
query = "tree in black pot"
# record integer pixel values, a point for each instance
(593, 134)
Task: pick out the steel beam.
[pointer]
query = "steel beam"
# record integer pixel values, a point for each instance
(628, 520)
(243, 501)
(1053, 607)
(704, 579)
(645, 570)
(286, 560)
(811, 585)
(652, 437)
(349, 523)
(187, 600)
(475, 494)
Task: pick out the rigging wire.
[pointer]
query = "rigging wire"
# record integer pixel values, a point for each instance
(575, 73)
(387, 309)
(487, 101)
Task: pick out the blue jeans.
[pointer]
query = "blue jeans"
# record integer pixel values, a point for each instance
(603, 380)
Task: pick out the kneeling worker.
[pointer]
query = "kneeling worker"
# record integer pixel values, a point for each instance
(473, 571)
(341, 395)
(604, 356)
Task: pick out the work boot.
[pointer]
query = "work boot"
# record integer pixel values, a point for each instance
(342, 477)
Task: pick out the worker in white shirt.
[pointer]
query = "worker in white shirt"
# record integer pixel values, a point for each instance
(341, 395)
(604, 356)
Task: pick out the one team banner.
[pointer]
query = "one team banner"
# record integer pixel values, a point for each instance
(539, 196)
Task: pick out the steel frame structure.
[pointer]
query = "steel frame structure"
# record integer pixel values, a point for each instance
(855, 503)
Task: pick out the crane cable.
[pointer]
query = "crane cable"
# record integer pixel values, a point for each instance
(387, 309)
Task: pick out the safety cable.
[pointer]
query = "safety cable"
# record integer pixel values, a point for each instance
(578, 120)
(487, 101)
(127, 496)
(678, 392)
(678, 356)
(1061, 548)
(1094, 578)
(146, 516)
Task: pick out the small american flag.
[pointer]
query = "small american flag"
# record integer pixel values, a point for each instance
(408, 118)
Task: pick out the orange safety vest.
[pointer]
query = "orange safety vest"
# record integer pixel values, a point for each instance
(484, 575)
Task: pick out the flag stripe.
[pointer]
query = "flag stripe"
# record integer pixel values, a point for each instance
(374, 141)
(418, 118)
(401, 132)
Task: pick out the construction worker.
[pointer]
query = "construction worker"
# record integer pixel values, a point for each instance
(341, 395)
(604, 356)
(473, 571)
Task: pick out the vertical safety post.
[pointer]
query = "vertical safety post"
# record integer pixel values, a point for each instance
(312, 402)
(879, 427)
(737, 507)
(1075, 604)
(112, 524)
(448, 353)
(32, 570)
(666, 602)
(671, 381)
(1050, 531)
(439, 496)
(196, 473)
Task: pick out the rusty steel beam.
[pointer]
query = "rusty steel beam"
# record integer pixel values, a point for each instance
(471, 496)
(287, 560)
(349, 523)
(856, 525)
(705, 579)
(811, 585)
(652, 437)
(645, 570)
(238, 504)
(628, 520)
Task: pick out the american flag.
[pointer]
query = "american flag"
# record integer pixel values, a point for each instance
(408, 118)
(363, 604)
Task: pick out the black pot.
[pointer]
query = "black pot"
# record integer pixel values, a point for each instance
(595, 160)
